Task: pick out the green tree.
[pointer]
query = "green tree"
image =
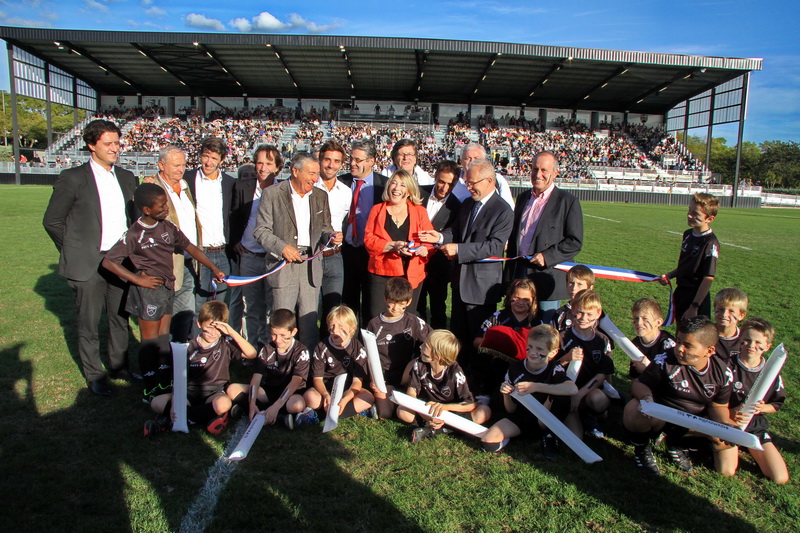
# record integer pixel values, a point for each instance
(783, 160)
(32, 120)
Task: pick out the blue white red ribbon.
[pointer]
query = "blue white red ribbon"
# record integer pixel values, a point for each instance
(238, 281)
(621, 274)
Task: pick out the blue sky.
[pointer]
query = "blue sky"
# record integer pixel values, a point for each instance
(730, 28)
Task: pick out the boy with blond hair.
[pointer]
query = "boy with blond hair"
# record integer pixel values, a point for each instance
(653, 342)
(584, 342)
(579, 278)
(697, 262)
(730, 308)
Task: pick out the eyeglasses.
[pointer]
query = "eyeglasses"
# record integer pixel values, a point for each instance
(357, 160)
(406, 156)
(471, 184)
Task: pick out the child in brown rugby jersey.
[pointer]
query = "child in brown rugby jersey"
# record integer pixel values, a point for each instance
(730, 308)
(651, 340)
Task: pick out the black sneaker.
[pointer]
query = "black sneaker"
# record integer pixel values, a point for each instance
(680, 457)
(218, 424)
(550, 447)
(288, 421)
(420, 434)
(593, 428)
(159, 425)
(644, 459)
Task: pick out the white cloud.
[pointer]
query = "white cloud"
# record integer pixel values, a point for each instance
(16, 21)
(196, 20)
(267, 22)
(155, 12)
(241, 24)
(92, 4)
(146, 3)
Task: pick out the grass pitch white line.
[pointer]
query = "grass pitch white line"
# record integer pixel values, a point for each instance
(602, 218)
(201, 512)
(725, 243)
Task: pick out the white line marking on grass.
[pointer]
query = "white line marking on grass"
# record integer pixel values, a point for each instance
(601, 218)
(725, 243)
(201, 512)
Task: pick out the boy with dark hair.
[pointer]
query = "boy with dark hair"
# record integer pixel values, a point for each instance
(579, 278)
(584, 342)
(399, 335)
(149, 244)
(541, 376)
(730, 308)
(212, 398)
(653, 342)
(281, 370)
(697, 263)
(689, 379)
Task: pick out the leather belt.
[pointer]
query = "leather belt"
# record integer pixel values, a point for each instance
(214, 248)
(332, 251)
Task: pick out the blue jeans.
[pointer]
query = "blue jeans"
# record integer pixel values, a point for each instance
(236, 304)
(257, 298)
(205, 291)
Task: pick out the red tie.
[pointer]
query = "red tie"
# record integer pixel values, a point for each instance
(351, 220)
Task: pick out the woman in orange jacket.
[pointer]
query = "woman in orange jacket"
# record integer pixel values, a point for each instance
(392, 226)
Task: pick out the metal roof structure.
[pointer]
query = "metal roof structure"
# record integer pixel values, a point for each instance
(377, 68)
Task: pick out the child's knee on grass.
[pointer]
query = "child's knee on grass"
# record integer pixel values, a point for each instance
(596, 401)
(159, 403)
(295, 404)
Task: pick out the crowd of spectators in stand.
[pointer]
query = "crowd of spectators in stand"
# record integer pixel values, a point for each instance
(512, 141)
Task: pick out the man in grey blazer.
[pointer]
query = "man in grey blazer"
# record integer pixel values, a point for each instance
(90, 209)
(548, 226)
(294, 223)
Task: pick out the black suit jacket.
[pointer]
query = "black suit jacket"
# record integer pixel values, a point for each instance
(241, 204)
(558, 236)
(480, 283)
(446, 216)
(228, 182)
(378, 185)
(73, 219)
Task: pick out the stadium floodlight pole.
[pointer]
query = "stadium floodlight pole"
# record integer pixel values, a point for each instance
(12, 79)
(742, 116)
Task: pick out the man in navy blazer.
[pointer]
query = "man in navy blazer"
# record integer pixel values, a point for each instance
(370, 186)
(444, 206)
(90, 209)
(548, 226)
(213, 206)
(294, 224)
(480, 231)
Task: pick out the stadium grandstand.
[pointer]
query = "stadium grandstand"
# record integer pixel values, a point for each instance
(610, 115)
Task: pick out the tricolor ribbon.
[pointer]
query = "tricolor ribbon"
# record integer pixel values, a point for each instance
(238, 281)
(620, 274)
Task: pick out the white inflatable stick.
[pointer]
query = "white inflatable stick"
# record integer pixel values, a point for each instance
(374, 359)
(451, 419)
(332, 420)
(179, 387)
(249, 437)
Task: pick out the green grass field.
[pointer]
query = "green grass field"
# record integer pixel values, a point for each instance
(70, 461)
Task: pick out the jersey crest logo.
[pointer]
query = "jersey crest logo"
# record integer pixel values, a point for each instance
(346, 361)
(710, 389)
(151, 309)
(165, 236)
(446, 390)
(597, 355)
(737, 385)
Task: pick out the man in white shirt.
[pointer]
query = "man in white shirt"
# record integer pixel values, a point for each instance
(91, 207)
(294, 224)
(473, 152)
(331, 159)
(212, 190)
(251, 256)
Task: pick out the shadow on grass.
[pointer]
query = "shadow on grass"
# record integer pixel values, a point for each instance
(87, 467)
(60, 301)
(278, 489)
(654, 502)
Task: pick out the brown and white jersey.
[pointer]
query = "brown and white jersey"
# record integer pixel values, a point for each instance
(277, 369)
(210, 365)
(448, 387)
(398, 342)
(330, 361)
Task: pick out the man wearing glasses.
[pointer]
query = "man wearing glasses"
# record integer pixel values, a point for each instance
(367, 188)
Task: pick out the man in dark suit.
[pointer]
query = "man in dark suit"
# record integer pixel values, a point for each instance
(90, 209)
(548, 225)
(480, 231)
(294, 223)
(367, 188)
(443, 208)
(249, 257)
(212, 191)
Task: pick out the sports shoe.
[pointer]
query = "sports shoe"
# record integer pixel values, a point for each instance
(308, 416)
(159, 425)
(218, 424)
(550, 447)
(288, 421)
(420, 434)
(645, 460)
(237, 411)
(593, 428)
(680, 457)
(372, 412)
